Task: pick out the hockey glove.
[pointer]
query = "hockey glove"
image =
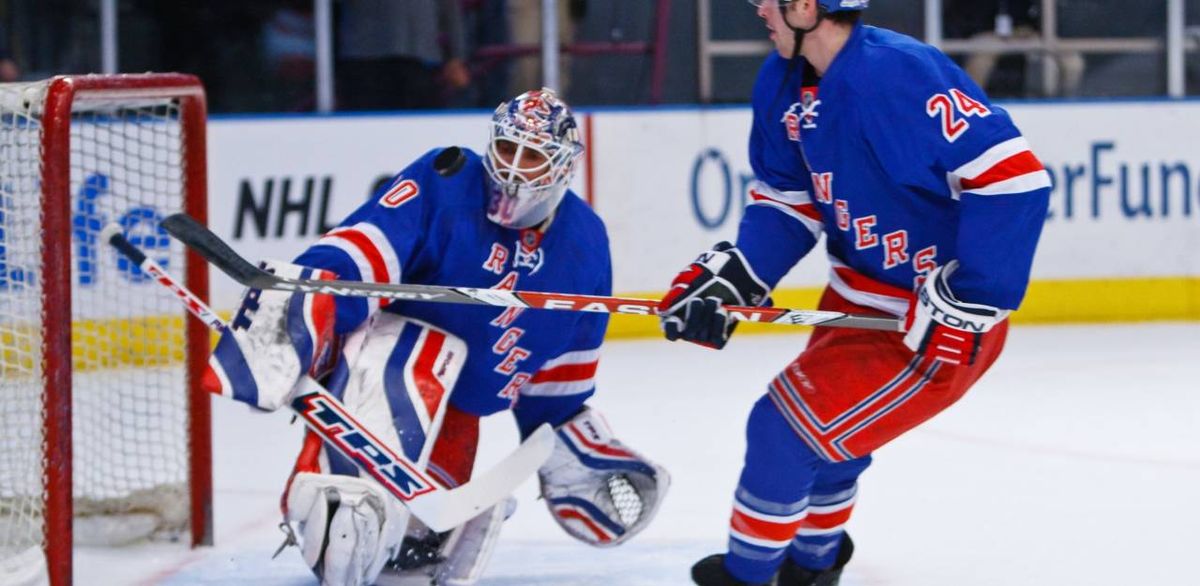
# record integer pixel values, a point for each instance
(274, 338)
(942, 327)
(692, 308)
(599, 491)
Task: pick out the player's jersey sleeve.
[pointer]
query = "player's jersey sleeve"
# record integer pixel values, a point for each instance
(780, 224)
(560, 387)
(378, 241)
(935, 131)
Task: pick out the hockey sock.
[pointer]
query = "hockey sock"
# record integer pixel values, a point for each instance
(772, 496)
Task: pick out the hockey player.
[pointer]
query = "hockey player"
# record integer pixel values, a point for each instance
(931, 204)
(421, 375)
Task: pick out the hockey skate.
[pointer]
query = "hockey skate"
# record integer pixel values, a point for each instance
(792, 575)
(710, 571)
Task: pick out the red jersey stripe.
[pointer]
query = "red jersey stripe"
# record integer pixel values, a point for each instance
(807, 210)
(567, 373)
(374, 257)
(1022, 163)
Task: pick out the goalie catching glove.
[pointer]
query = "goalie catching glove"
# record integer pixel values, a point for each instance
(692, 310)
(274, 338)
(941, 327)
(599, 491)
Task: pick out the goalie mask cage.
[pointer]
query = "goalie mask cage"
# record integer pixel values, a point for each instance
(105, 431)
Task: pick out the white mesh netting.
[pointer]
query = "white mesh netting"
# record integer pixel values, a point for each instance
(130, 439)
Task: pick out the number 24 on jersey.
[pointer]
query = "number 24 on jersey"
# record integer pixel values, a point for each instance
(953, 108)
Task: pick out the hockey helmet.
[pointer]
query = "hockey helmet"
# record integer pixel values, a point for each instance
(830, 6)
(532, 152)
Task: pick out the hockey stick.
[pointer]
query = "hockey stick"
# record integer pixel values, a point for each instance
(211, 247)
(439, 508)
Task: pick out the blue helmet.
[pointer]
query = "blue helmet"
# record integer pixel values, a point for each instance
(828, 5)
(843, 5)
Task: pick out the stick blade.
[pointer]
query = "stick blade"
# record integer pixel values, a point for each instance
(210, 246)
(445, 510)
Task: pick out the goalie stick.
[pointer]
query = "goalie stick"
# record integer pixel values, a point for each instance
(438, 508)
(217, 252)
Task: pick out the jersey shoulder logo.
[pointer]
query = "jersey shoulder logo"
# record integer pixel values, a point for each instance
(400, 193)
(809, 104)
(529, 251)
(802, 114)
(791, 122)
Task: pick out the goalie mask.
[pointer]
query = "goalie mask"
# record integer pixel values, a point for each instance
(531, 156)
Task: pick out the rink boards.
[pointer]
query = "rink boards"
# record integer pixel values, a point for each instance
(1119, 241)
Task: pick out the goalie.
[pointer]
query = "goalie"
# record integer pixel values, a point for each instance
(420, 375)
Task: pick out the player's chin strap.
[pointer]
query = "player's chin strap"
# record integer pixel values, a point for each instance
(798, 33)
(798, 36)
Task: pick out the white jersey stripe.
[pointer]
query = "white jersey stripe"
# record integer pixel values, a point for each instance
(796, 198)
(558, 389)
(1022, 184)
(384, 246)
(893, 305)
(576, 357)
(991, 157)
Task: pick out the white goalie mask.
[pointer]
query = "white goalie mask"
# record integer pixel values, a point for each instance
(532, 152)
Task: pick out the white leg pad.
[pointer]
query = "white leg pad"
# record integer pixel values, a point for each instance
(348, 527)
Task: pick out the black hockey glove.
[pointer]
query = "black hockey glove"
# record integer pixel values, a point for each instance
(692, 310)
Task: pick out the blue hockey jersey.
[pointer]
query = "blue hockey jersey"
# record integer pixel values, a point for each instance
(424, 228)
(903, 163)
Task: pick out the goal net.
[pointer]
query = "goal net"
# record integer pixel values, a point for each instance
(105, 435)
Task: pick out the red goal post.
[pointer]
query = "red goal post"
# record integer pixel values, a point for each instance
(116, 371)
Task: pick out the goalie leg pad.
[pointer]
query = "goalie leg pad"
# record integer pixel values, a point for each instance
(395, 375)
(348, 527)
(470, 547)
(462, 554)
(599, 491)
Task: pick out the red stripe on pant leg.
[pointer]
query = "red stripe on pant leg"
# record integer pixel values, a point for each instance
(879, 404)
(454, 450)
(747, 525)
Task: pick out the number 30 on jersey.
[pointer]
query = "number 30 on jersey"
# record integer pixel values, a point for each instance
(954, 108)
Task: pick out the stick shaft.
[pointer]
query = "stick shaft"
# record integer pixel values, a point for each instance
(221, 255)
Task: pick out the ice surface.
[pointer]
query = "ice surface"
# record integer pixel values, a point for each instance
(1076, 460)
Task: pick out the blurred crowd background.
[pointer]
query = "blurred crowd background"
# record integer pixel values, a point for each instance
(260, 55)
